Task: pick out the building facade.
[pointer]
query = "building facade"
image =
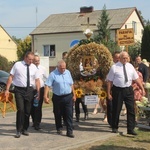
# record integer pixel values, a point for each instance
(56, 33)
(8, 48)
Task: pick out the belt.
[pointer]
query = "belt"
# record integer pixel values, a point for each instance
(23, 88)
(121, 87)
(62, 95)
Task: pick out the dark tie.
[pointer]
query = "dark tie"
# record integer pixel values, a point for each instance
(125, 73)
(28, 76)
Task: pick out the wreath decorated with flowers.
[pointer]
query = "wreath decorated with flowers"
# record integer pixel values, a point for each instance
(89, 80)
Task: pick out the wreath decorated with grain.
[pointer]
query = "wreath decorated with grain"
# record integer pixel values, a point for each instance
(99, 51)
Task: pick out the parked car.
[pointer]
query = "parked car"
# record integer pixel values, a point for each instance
(3, 80)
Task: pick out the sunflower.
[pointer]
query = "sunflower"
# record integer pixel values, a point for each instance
(79, 93)
(103, 94)
(99, 92)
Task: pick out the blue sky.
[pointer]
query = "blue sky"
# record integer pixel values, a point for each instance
(19, 17)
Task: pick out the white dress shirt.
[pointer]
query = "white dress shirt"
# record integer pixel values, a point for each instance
(19, 71)
(116, 74)
(42, 75)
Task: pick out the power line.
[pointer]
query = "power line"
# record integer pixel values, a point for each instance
(65, 26)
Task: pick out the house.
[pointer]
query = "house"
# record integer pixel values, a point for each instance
(57, 32)
(8, 47)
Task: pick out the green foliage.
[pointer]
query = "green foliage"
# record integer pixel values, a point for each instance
(85, 41)
(103, 30)
(23, 47)
(103, 35)
(134, 50)
(4, 64)
(145, 47)
(16, 40)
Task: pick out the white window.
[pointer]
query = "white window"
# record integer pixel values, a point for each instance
(49, 50)
(134, 26)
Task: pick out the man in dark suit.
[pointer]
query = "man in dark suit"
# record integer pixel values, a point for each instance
(142, 68)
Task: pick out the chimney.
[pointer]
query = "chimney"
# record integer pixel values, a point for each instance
(86, 9)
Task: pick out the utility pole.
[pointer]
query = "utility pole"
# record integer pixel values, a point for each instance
(36, 11)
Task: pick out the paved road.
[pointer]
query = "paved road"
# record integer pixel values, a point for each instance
(94, 129)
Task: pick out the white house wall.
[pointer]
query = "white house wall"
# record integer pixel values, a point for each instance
(61, 42)
(134, 17)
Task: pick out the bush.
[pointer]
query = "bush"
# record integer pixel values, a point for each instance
(4, 64)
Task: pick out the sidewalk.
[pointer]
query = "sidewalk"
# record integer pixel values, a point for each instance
(89, 131)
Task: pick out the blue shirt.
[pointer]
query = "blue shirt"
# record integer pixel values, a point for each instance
(60, 82)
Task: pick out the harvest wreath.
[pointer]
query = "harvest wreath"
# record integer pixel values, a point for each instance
(89, 77)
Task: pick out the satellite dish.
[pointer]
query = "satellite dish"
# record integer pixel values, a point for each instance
(74, 42)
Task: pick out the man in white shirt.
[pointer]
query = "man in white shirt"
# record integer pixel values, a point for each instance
(36, 112)
(24, 82)
(120, 85)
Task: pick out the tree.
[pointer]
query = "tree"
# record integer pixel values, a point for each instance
(142, 18)
(23, 47)
(16, 40)
(4, 64)
(103, 35)
(145, 46)
(134, 50)
(103, 29)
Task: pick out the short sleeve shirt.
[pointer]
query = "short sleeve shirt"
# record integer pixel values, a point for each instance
(116, 74)
(19, 71)
(42, 75)
(60, 82)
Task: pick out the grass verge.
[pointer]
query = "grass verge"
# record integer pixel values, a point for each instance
(122, 142)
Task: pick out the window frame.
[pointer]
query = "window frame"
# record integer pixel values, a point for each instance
(49, 50)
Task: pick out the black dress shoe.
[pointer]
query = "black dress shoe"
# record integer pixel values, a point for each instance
(114, 130)
(37, 128)
(85, 116)
(25, 132)
(132, 132)
(18, 134)
(70, 135)
(77, 119)
(59, 132)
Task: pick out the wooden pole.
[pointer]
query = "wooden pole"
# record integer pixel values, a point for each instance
(126, 48)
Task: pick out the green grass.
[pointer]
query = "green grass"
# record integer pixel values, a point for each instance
(122, 142)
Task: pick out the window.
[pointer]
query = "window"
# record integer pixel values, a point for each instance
(134, 26)
(49, 50)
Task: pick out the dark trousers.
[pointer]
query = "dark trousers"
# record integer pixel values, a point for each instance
(36, 112)
(77, 106)
(109, 112)
(119, 95)
(63, 105)
(23, 97)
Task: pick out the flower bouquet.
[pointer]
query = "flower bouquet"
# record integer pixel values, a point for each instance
(144, 108)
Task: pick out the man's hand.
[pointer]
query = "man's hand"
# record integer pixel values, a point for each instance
(6, 92)
(74, 98)
(109, 97)
(46, 100)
